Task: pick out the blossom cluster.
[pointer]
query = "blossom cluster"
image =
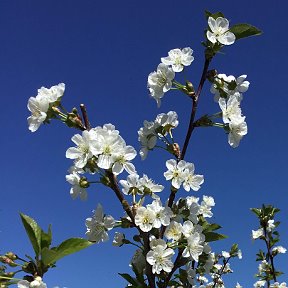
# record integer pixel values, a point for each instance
(161, 81)
(152, 130)
(228, 92)
(142, 186)
(98, 148)
(39, 105)
(183, 173)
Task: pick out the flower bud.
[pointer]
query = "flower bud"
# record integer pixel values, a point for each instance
(83, 183)
(11, 255)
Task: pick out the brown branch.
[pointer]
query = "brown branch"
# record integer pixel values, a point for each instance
(85, 116)
(145, 236)
(194, 108)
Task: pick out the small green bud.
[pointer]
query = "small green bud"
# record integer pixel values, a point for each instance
(11, 255)
(83, 183)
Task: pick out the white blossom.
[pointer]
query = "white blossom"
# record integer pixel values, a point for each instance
(145, 218)
(39, 105)
(121, 160)
(279, 249)
(270, 225)
(225, 254)
(259, 284)
(231, 111)
(162, 214)
(194, 246)
(220, 31)
(175, 172)
(36, 283)
(82, 152)
(98, 225)
(160, 82)
(76, 189)
(160, 256)
(178, 58)
(258, 233)
(237, 130)
(191, 180)
(131, 185)
(149, 187)
(174, 231)
(278, 285)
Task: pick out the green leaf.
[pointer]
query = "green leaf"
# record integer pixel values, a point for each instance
(212, 227)
(212, 236)
(33, 231)
(46, 238)
(244, 30)
(129, 279)
(67, 247)
(214, 15)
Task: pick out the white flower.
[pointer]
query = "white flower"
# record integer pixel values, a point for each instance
(131, 185)
(149, 187)
(220, 31)
(107, 146)
(279, 249)
(82, 152)
(52, 94)
(160, 82)
(258, 233)
(205, 207)
(259, 284)
(98, 225)
(145, 218)
(121, 160)
(194, 246)
(178, 58)
(76, 190)
(270, 225)
(147, 137)
(189, 228)
(151, 130)
(38, 108)
(36, 283)
(225, 254)
(118, 239)
(190, 179)
(39, 105)
(231, 111)
(278, 285)
(160, 256)
(174, 231)
(175, 172)
(238, 285)
(167, 121)
(263, 266)
(162, 214)
(236, 132)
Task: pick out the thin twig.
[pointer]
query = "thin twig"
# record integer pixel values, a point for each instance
(85, 116)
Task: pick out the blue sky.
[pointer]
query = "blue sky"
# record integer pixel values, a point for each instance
(103, 52)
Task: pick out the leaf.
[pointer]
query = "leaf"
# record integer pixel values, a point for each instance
(212, 236)
(67, 247)
(129, 278)
(214, 15)
(46, 238)
(33, 231)
(244, 30)
(212, 227)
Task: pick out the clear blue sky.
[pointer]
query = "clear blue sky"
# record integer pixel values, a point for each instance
(103, 52)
